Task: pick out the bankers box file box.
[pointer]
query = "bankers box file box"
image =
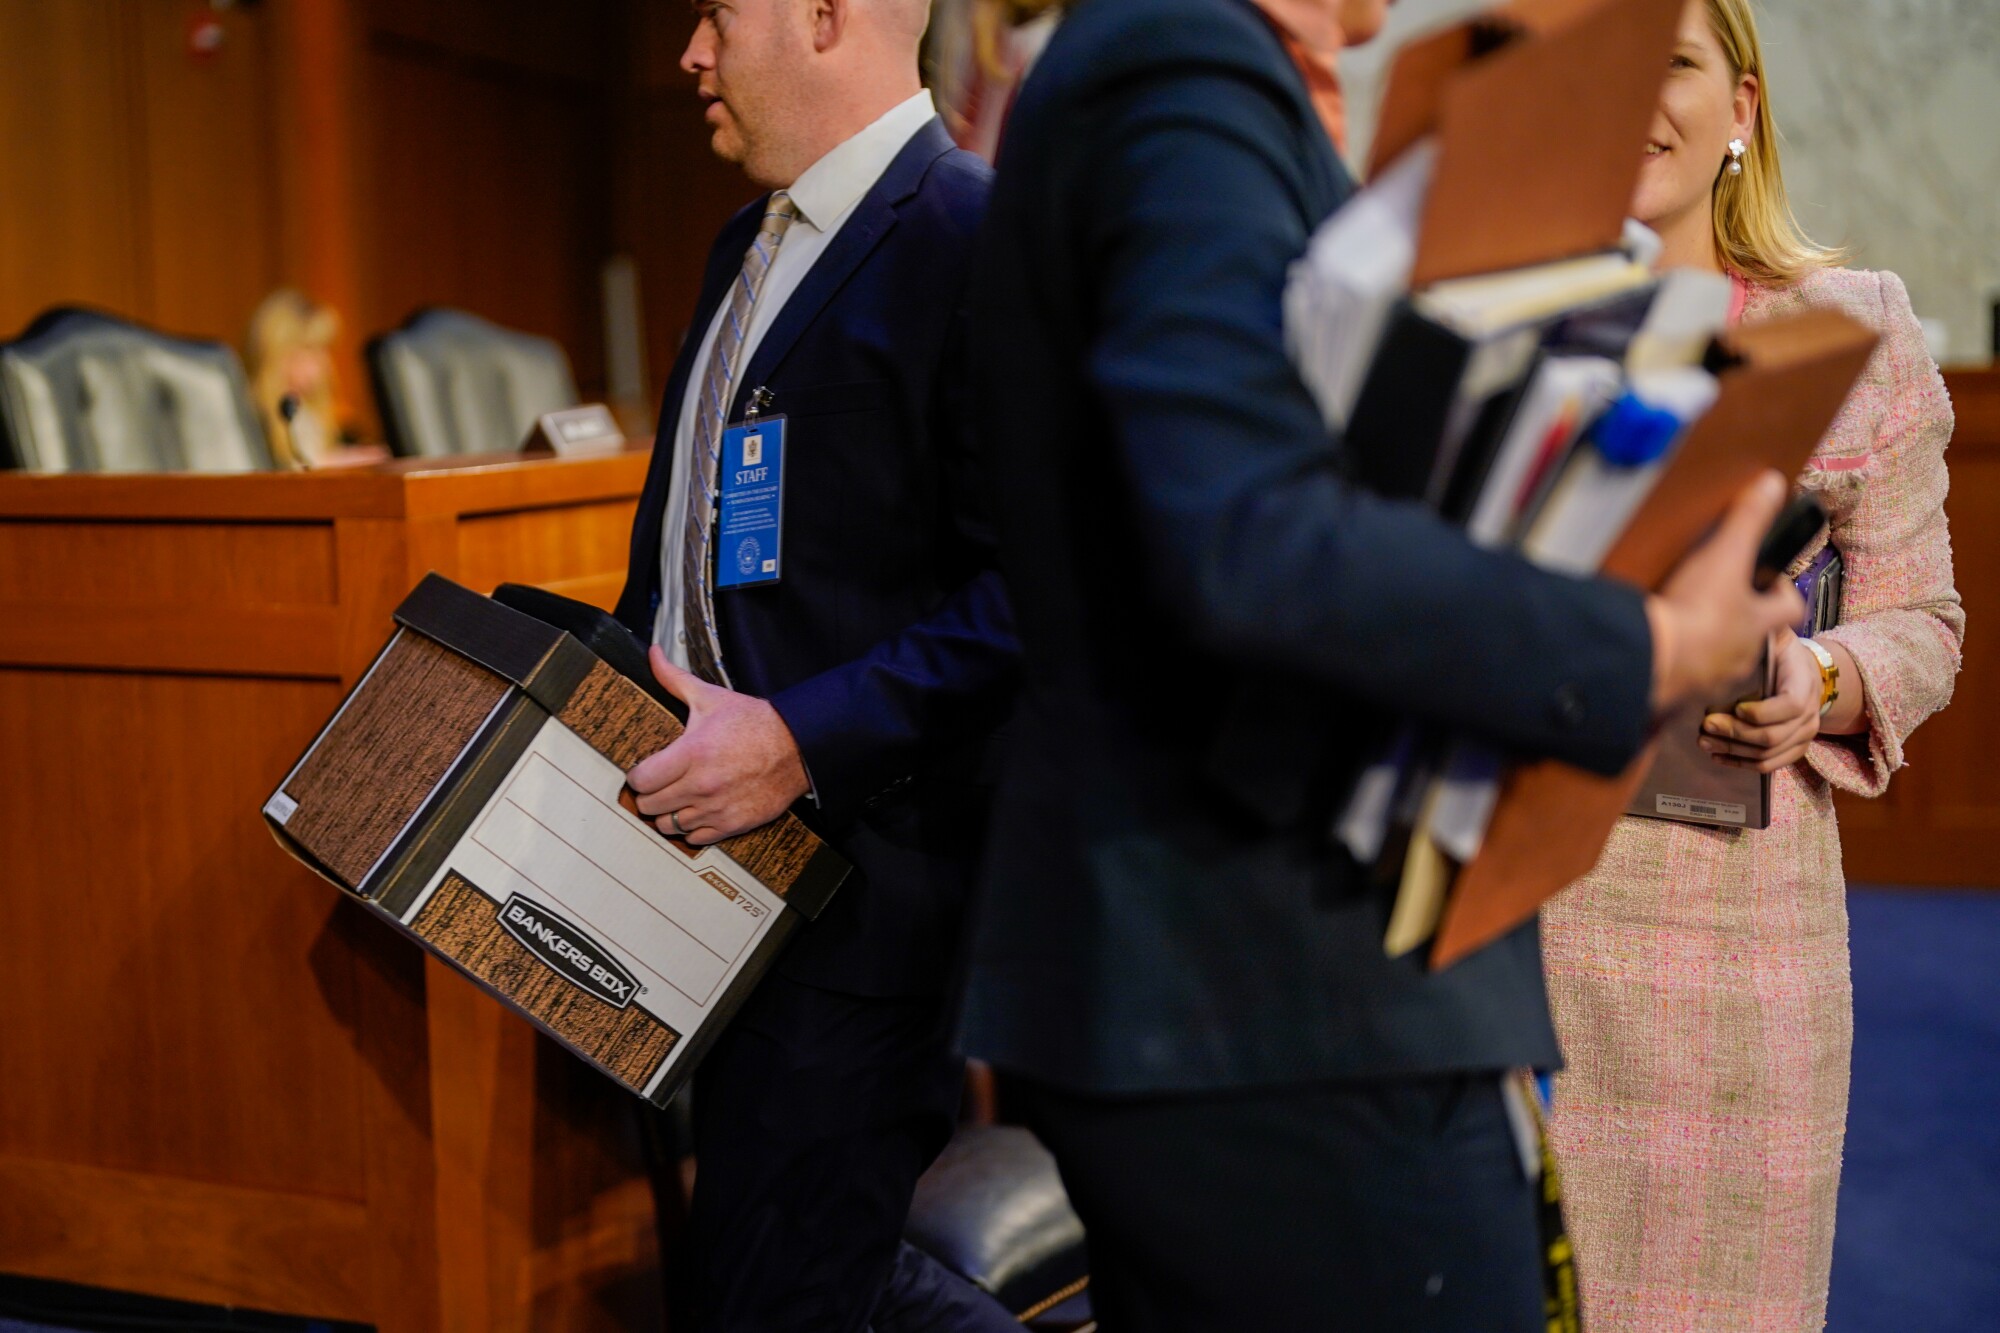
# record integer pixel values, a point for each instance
(471, 789)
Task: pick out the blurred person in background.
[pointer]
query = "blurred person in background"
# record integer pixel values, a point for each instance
(1699, 976)
(288, 353)
(980, 52)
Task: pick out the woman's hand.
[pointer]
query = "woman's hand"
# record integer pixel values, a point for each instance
(1768, 734)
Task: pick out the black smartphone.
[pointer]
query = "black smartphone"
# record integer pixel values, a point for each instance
(1789, 535)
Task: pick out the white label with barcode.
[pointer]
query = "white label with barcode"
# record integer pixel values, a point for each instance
(1686, 807)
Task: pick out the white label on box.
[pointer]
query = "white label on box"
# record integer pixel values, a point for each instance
(583, 859)
(554, 835)
(281, 808)
(1687, 807)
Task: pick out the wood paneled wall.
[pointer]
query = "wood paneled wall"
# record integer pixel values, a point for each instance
(380, 154)
(673, 194)
(487, 139)
(133, 176)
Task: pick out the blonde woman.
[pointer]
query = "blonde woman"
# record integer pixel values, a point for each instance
(1698, 976)
(288, 353)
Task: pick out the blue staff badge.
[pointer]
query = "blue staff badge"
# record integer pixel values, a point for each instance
(750, 522)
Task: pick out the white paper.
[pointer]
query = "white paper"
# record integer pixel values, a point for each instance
(1338, 295)
(1363, 825)
(1489, 303)
(1572, 389)
(1467, 793)
(1596, 499)
(1688, 310)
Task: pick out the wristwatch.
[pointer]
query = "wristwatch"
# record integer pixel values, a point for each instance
(1829, 674)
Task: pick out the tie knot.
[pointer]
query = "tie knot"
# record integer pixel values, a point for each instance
(779, 214)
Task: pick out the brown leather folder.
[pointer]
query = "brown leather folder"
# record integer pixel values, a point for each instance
(1787, 380)
(1541, 110)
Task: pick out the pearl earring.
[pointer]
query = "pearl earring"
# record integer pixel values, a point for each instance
(1736, 150)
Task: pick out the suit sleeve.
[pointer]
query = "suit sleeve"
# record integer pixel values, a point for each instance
(1255, 540)
(1901, 619)
(947, 680)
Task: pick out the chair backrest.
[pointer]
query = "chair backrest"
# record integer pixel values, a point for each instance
(450, 383)
(82, 391)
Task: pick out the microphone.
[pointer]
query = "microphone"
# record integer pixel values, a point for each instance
(288, 409)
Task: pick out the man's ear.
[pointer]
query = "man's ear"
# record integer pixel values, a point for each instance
(829, 22)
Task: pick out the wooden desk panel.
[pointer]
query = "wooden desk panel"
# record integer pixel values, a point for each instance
(407, 488)
(547, 547)
(133, 1231)
(178, 938)
(139, 564)
(223, 1082)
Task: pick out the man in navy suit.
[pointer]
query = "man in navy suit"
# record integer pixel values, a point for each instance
(1264, 1122)
(866, 681)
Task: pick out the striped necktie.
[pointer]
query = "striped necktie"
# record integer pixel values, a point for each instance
(718, 387)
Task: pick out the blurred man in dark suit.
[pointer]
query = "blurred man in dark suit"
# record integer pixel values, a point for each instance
(1264, 1121)
(866, 673)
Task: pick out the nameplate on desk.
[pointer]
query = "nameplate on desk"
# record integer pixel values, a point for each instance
(590, 429)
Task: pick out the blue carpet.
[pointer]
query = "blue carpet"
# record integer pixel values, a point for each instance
(1918, 1242)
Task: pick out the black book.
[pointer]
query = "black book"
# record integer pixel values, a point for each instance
(1398, 422)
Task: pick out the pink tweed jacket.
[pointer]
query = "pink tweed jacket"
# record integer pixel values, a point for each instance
(1699, 977)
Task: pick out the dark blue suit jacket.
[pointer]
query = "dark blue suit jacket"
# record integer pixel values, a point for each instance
(887, 647)
(1215, 622)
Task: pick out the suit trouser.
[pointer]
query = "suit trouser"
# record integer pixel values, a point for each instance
(813, 1117)
(1364, 1207)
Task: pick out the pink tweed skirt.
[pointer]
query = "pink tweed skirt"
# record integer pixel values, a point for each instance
(1699, 980)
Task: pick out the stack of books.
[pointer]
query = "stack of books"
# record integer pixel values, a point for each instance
(1483, 329)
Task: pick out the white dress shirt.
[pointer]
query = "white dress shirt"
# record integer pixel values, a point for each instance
(825, 195)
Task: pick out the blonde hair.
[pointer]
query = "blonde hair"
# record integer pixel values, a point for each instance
(1756, 232)
(284, 321)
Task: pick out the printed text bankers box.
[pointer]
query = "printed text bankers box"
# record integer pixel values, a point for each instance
(469, 789)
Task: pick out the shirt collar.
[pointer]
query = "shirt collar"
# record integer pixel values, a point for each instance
(830, 187)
